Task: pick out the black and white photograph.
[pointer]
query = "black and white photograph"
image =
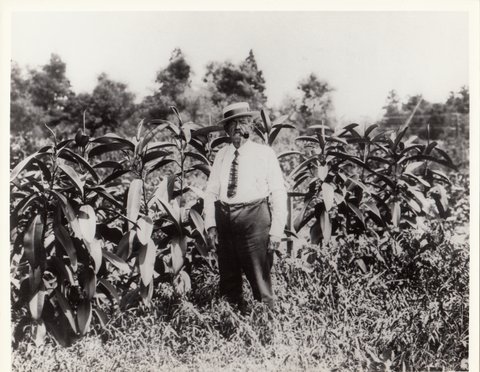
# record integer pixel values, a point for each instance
(240, 189)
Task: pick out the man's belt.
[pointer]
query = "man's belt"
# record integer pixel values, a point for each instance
(234, 206)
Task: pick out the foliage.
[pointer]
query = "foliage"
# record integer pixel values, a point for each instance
(409, 313)
(316, 104)
(431, 120)
(229, 82)
(40, 97)
(382, 184)
(81, 242)
(109, 105)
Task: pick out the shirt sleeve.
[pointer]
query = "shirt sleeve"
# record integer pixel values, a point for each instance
(213, 190)
(278, 194)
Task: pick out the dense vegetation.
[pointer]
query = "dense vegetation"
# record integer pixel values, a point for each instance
(110, 267)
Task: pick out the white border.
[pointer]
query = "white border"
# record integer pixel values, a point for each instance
(471, 6)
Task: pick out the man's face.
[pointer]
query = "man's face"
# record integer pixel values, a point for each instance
(237, 128)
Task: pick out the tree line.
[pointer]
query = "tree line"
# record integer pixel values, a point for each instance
(45, 96)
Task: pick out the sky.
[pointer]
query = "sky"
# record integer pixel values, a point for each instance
(362, 55)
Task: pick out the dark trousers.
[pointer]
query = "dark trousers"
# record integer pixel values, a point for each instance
(243, 233)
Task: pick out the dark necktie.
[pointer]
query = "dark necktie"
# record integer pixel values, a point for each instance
(233, 179)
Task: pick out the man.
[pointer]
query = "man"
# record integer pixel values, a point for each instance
(245, 181)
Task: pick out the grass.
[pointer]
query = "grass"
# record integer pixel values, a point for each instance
(410, 313)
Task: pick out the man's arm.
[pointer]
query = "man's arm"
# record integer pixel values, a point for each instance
(278, 195)
(211, 195)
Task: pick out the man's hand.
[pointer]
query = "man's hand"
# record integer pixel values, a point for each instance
(212, 237)
(274, 244)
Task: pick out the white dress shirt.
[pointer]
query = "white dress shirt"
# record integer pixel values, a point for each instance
(259, 176)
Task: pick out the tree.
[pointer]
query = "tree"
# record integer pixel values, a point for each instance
(393, 117)
(459, 102)
(316, 101)
(41, 97)
(23, 114)
(106, 108)
(229, 82)
(50, 90)
(174, 82)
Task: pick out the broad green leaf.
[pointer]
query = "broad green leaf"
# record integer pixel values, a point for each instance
(164, 190)
(200, 227)
(279, 120)
(441, 176)
(300, 219)
(39, 333)
(84, 316)
(63, 237)
(326, 226)
(160, 145)
(111, 291)
(146, 261)
(266, 120)
(396, 214)
(412, 166)
(187, 134)
(35, 278)
(173, 210)
(155, 155)
(303, 166)
(288, 153)
(308, 139)
(36, 303)
(95, 250)
(115, 174)
(219, 140)
(70, 155)
(88, 222)
(116, 261)
(144, 229)
(156, 165)
(205, 169)
(21, 166)
(32, 241)
(357, 212)
(328, 195)
(72, 175)
(361, 264)
(134, 201)
(66, 309)
(64, 273)
(370, 129)
(125, 246)
(88, 281)
(440, 196)
(276, 130)
(108, 164)
(197, 156)
(101, 190)
(147, 292)
(182, 283)
(109, 147)
(419, 179)
(322, 172)
(315, 234)
(375, 213)
(178, 248)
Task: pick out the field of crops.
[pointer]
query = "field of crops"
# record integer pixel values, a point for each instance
(111, 271)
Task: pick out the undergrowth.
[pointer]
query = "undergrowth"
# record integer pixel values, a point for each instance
(356, 304)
